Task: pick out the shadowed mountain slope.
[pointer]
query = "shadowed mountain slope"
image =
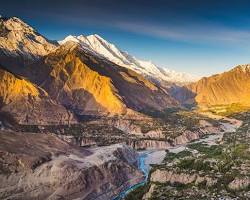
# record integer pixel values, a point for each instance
(87, 83)
(26, 103)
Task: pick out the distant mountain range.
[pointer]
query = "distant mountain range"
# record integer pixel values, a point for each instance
(227, 88)
(54, 82)
(109, 51)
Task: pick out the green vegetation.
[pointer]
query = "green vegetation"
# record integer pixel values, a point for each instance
(209, 151)
(171, 156)
(223, 163)
(194, 164)
(176, 117)
(138, 192)
(227, 110)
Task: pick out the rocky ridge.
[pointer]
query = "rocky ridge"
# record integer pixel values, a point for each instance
(54, 168)
(146, 68)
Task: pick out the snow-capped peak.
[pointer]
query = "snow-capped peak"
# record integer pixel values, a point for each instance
(147, 68)
(20, 39)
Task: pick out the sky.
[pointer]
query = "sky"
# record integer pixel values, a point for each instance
(201, 37)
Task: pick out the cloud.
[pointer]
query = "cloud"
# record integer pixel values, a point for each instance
(206, 33)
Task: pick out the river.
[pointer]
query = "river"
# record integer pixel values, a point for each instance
(146, 158)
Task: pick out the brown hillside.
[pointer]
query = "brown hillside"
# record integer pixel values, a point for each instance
(87, 83)
(27, 103)
(223, 89)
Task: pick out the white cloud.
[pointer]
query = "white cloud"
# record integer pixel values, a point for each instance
(193, 33)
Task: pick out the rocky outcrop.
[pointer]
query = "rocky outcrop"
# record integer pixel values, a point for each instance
(187, 136)
(136, 127)
(148, 144)
(205, 128)
(26, 103)
(240, 183)
(126, 126)
(172, 177)
(149, 193)
(79, 141)
(41, 166)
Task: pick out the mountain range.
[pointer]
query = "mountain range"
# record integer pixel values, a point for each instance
(70, 75)
(146, 68)
(44, 81)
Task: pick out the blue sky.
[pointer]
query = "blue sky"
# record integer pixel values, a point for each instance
(195, 36)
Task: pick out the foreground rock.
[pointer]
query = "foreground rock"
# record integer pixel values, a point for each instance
(41, 166)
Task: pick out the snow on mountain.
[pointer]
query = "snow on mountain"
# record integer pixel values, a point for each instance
(102, 47)
(19, 39)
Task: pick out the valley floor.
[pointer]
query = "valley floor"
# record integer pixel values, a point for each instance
(205, 169)
(85, 160)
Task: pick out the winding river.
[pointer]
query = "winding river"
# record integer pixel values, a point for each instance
(146, 158)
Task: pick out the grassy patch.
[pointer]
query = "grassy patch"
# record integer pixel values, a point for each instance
(227, 110)
(138, 192)
(170, 156)
(194, 164)
(209, 151)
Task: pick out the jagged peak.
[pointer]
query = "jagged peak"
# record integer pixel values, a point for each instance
(18, 39)
(97, 44)
(243, 66)
(68, 46)
(69, 38)
(16, 24)
(96, 36)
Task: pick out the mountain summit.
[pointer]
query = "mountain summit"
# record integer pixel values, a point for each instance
(20, 44)
(18, 38)
(231, 87)
(146, 68)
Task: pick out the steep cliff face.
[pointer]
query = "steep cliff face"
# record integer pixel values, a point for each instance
(55, 169)
(28, 104)
(221, 89)
(88, 83)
